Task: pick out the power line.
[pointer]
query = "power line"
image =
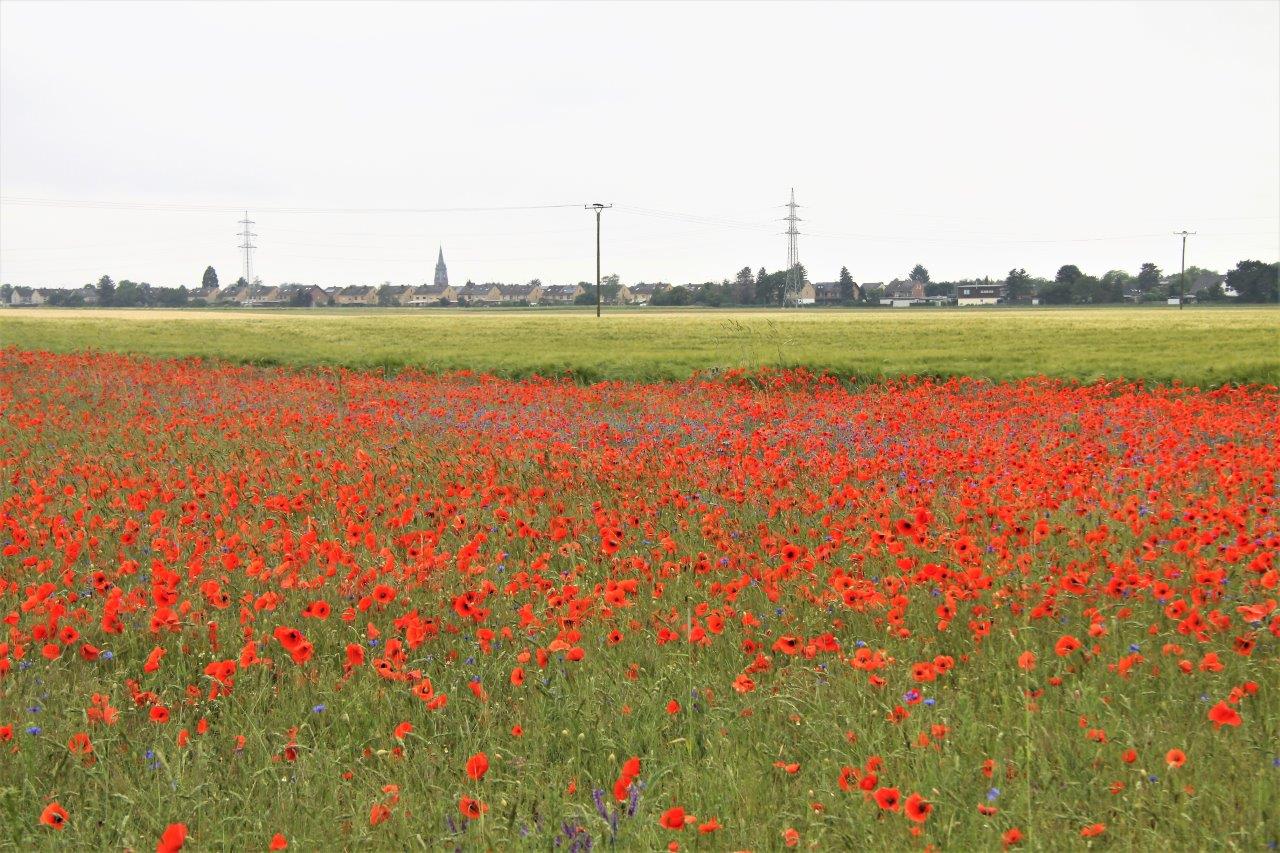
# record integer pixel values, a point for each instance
(212, 208)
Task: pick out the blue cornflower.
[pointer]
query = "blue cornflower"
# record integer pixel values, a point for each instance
(992, 794)
(34, 730)
(319, 709)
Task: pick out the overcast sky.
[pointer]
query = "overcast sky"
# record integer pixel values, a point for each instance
(971, 138)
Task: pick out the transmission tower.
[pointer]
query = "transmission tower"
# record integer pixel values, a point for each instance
(791, 289)
(246, 244)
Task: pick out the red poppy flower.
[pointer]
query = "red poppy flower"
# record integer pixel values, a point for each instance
(278, 842)
(1223, 714)
(673, 818)
(1066, 645)
(54, 816)
(887, 798)
(172, 839)
(918, 808)
(477, 766)
(1175, 758)
(471, 808)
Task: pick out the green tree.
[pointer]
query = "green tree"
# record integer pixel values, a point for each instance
(1086, 290)
(106, 290)
(1255, 281)
(127, 294)
(210, 280)
(1148, 277)
(6, 292)
(1017, 285)
(939, 288)
(385, 296)
(1055, 292)
(848, 288)
(744, 287)
(1068, 274)
(1114, 284)
(919, 274)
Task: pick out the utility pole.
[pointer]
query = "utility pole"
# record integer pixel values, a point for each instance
(597, 207)
(1182, 279)
(793, 284)
(247, 245)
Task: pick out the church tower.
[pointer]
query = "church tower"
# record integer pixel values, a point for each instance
(442, 274)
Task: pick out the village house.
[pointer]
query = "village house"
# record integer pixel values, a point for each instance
(479, 294)
(265, 297)
(232, 294)
(828, 293)
(902, 294)
(513, 294)
(429, 294)
(356, 295)
(304, 295)
(980, 294)
(28, 296)
(643, 292)
(806, 295)
(560, 294)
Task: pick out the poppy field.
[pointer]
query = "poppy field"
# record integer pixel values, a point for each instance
(266, 608)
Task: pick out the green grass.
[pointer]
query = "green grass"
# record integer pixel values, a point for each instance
(1203, 346)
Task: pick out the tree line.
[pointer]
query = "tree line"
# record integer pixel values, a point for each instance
(1251, 281)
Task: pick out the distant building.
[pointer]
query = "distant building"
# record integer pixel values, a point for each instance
(828, 293)
(980, 294)
(560, 294)
(429, 294)
(510, 294)
(479, 294)
(442, 273)
(902, 294)
(356, 295)
(24, 296)
(643, 292)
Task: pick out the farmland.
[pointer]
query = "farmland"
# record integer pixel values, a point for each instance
(1205, 346)
(255, 605)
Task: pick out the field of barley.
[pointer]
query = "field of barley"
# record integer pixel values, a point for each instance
(401, 581)
(1198, 345)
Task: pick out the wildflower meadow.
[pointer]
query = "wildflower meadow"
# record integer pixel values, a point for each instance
(263, 608)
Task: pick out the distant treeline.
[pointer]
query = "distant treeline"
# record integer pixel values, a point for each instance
(1250, 281)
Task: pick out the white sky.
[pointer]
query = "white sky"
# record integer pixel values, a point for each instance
(971, 138)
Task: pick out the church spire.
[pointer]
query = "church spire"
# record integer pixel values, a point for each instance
(442, 273)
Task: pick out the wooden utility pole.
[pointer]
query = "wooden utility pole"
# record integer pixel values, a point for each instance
(597, 207)
(1182, 279)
